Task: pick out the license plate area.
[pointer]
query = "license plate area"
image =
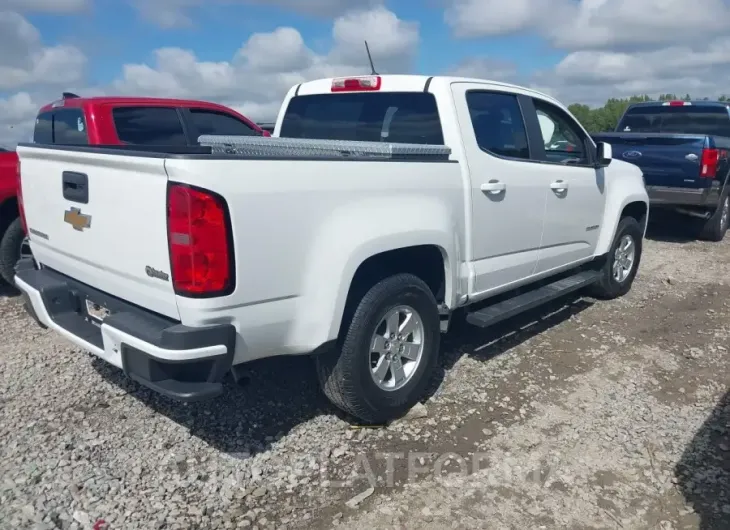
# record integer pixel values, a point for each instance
(97, 313)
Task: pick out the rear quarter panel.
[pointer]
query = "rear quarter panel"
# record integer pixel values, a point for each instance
(302, 228)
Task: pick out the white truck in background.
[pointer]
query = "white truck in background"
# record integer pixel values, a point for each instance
(385, 205)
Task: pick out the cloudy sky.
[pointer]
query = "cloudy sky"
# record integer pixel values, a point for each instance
(247, 53)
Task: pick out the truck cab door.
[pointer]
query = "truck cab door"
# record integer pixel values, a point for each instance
(508, 191)
(576, 191)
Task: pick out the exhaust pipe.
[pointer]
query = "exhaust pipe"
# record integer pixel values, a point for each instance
(692, 213)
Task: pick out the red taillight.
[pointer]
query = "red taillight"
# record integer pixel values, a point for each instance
(355, 84)
(677, 104)
(710, 159)
(199, 237)
(19, 193)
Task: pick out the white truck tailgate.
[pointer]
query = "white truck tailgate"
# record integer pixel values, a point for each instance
(101, 219)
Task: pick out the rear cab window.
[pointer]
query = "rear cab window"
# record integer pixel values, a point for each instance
(684, 119)
(396, 117)
(218, 123)
(66, 126)
(149, 126)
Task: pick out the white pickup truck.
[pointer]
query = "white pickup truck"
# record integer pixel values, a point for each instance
(385, 205)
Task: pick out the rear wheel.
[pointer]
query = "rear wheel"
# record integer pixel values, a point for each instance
(716, 226)
(387, 353)
(13, 246)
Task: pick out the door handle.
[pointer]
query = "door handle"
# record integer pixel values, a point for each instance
(494, 187)
(559, 185)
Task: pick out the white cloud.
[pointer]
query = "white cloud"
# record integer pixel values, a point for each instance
(481, 18)
(46, 6)
(615, 48)
(17, 115)
(281, 50)
(485, 68)
(177, 13)
(253, 80)
(26, 61)
(324, 8)
(593, 76)
(579, 24)
(632, 23)
(258, 75)
(34, 71)
(391, 40)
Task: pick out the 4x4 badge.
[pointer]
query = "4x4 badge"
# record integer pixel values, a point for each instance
(78, 220)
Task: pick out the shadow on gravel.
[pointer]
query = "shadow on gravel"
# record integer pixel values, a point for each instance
(487, 344)
(8, 291)
(283, 392)
(278, 395)
(670, 227)
(703, 473)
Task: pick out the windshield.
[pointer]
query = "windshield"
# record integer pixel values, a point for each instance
(701, 119)
(398, 117)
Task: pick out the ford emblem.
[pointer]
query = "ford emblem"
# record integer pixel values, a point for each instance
(632, 154)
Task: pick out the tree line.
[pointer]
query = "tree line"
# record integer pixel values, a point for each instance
(605, 119)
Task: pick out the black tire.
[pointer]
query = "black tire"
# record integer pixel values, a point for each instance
(345, 373)
(609, 287)
(715, 227)
(10, 250)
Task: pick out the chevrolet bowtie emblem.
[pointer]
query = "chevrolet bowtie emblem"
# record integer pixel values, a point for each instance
(78, 220)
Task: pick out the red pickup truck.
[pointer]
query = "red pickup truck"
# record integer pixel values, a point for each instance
(108, 121)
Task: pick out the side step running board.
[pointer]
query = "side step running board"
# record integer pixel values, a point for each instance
(492, 314)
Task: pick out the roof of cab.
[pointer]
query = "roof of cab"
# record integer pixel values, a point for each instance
(693, 103)
(409, 83)
(72, 100)
(128, 100)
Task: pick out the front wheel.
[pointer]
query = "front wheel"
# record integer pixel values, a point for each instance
(387, 354)
(622, 262)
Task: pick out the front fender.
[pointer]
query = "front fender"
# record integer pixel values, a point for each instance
(355, 232)
(625, 185)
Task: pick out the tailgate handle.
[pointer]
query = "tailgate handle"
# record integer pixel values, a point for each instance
(76, 187)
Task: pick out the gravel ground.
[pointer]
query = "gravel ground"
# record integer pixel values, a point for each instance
(582, 415)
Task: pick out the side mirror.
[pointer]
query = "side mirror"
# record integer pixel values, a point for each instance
(604, 154)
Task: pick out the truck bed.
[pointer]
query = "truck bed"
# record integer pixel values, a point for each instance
(268, 198)
(680, 170)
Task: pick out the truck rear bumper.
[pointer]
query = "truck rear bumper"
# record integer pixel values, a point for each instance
(671, 196)
(178, 361)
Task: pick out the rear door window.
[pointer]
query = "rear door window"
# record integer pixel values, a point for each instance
(212, 122)
(61, 126)
(398, 117)
(149, 126)
(499, 127)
